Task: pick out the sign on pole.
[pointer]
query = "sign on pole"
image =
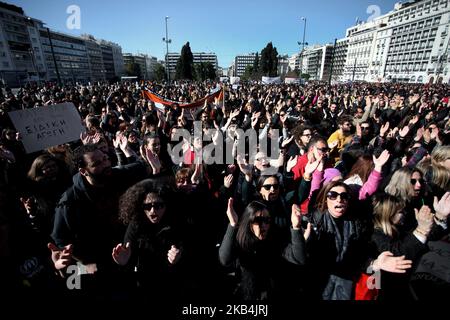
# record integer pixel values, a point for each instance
(47, 126)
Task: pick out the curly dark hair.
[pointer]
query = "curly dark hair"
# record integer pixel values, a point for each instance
(130, 203)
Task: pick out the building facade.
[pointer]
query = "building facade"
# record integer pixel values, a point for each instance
(316, 62)
(241, 62)
(198, 57)
(21, 53)
(408, 44)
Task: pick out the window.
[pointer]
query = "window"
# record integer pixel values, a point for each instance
(5, 64)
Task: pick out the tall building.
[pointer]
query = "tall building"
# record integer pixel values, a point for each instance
(283, 64)
(316, 61)
(294, 62)
(95, 58)
(199, 57)
(145, 62)
(339, 59)
(241, 62)
(150, 64)
(408, 44)
(70, 53)
(21, 52)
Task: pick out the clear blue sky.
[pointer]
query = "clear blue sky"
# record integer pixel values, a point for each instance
(227, 27)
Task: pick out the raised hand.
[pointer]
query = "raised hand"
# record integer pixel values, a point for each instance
(358, 130)
(404, 131)
(442, 207)
(312, 165)
(173, 255)
(296, 217)
(152, 159)
(61, 257)
(291, 163)
(231, 214)
(195, 179)
(387, 262)
(424, 219)
(384, 128)
(286, 142)
(381, 160)
(419, 134)
(244, 166)
(121, 254)
(333, 144)
(228, 181)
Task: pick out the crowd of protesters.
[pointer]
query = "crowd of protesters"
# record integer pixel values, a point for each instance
(357, 194)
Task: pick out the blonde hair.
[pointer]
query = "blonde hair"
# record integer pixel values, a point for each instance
(384, 210)
(440, 154)
(400, 184)
(440, 175)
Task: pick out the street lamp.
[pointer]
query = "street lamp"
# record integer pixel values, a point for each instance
(167, 41)
(303, 46)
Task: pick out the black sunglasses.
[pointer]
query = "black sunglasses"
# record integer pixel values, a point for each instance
(262, 219)
(156, 205)
(324, 150)
(414, 181)
(365, 128)
(332, 195)
(268, 186)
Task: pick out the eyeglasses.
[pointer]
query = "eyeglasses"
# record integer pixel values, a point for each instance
(306, 135)
(324, 149)
(262, 219)
(156, 205)
(414, 181)
(365, 128)
(269, 186)
(332, 195)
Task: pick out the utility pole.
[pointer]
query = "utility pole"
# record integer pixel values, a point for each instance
(167, 41)
(53, 55)
(303, 46)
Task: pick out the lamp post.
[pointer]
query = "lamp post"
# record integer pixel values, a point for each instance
(53, 55)
(167, 41)
(303, 46)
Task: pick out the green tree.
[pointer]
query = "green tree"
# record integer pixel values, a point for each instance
(133, 69)
(256, 63)
(269, 60)
(185, 63)
(248, 73)
(160, 72)
(204, 70)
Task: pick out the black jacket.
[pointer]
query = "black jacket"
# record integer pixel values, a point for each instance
(263, 269)
(87, 217)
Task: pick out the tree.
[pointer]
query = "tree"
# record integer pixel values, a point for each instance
(269, 60)
(185, 63)
(248, 73)
(256, 63)
(204, 70)
(133, 69)
(160, 72)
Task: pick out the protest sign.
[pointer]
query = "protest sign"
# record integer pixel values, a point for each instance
(47, 126)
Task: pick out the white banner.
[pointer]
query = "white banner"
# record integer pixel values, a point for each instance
(292, 80)
(271, 80)
(47, 126)
(235, 80)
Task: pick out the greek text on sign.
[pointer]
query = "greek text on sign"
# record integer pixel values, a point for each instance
(48, 126)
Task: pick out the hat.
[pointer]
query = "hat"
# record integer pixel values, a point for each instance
(329, 174)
